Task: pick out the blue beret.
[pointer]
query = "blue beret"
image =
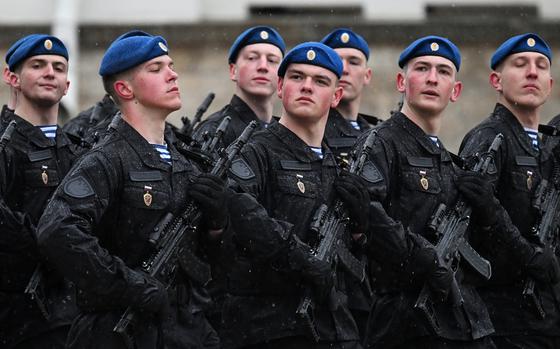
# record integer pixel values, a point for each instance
(256, 35)
(313, 53)
(34, 45)
(520, 43)
(130, 50)
(345, 38)
(431, 46)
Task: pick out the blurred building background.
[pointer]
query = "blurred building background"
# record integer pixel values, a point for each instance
(199, 33)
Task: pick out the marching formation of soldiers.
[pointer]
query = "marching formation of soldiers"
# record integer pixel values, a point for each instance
(320, 228)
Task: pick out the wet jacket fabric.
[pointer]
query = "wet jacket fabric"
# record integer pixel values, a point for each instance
(96, 231)
(280, 183)
(31, 168)
(410, 175)
(519, 170)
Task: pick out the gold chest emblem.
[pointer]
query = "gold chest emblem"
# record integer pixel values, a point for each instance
(147, 196)
(423, 180)
(300, 184)
(44, 174)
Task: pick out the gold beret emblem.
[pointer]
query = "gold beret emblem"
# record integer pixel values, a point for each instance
(264, 35)
(162, 46)
(344, 37)
(48, 44)
(311, 55)
(531, 42)
(434, 46)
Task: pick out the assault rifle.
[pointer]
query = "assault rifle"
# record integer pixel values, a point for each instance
(547, 203)
(205, 153)
(450, 225)
(7, 134)
(189, 127)
(330, 224)
(172, 231)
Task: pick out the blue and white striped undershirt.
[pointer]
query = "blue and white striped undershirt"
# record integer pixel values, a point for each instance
(435, 140)
(355, 125)
(534, 135)
(163, 152)
(318, 151)
(49, 130)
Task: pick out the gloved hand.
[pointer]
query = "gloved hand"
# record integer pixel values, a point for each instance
(352, 189)
(151, 297)
(314, 271)
(209, 192)
(426, 265)
(479, 193)
(543, 267)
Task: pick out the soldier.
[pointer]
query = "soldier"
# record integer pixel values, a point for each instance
(410, 174)
(253, 64)
(33, 164)
(503, 201)
(97, 227)
(345, 122)
(284, 175)
(344, 125)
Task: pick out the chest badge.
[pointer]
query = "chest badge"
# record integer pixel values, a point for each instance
(147, 196)
(300, 184)
(423, 180)
(44, 174)
(529, 180)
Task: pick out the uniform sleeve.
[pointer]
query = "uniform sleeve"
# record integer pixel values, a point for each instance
(260, 235)
(16, 227)
(66, 236)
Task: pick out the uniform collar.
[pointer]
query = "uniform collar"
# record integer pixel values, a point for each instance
(338, 121)
(504, 114)
(298, 147)
(146, 152)
(417, 133)
(34, 134)
(244, 112)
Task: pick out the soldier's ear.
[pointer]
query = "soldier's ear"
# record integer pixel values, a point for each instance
(495, 80)
(233, 72)
(401, 79)
(123, 90)
(14, 80)
(456, 92)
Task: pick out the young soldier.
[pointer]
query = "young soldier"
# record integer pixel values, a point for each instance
(253, 64)
(98, 226)
(411, 173)
(285, 174)
(345, 122)
(31, 167)
(504, 214)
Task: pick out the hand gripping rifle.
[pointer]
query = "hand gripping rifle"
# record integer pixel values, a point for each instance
(189, 127)
(547, 203)
(331, 224)
(450, 224)
(169, 234)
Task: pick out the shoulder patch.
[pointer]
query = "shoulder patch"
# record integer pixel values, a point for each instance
(78, 188)
(370, 173)
(241, 169)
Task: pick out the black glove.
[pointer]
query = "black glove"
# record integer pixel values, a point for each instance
(543, 267)
(148, 295)
(479, 192)
(209, 192)
(425, 265)
(314, 271)
(352, 189)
